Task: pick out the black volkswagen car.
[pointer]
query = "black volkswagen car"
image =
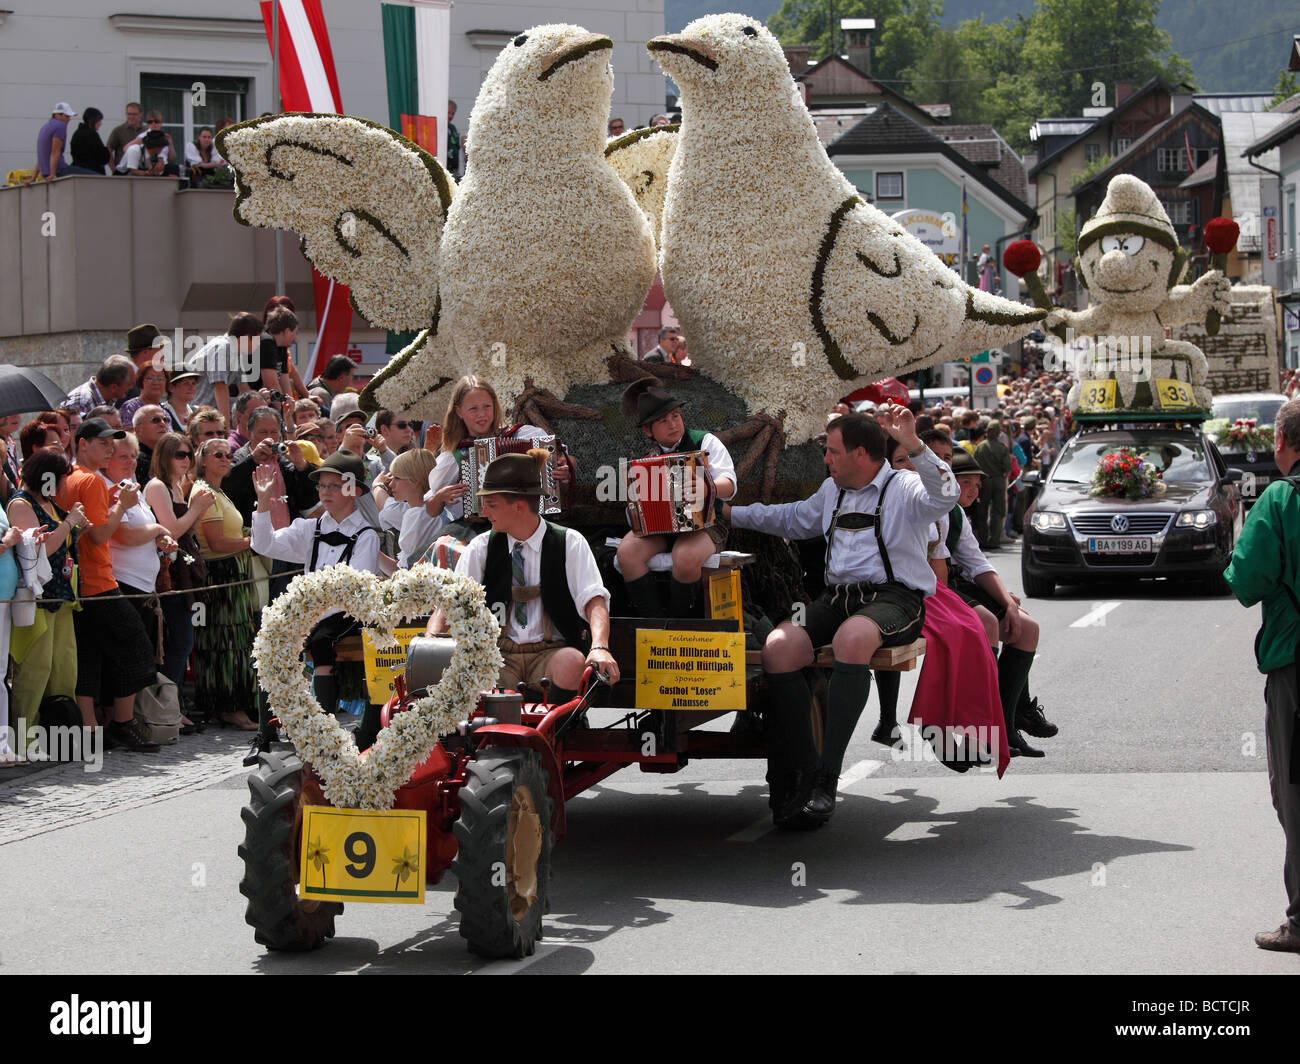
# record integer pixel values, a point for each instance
(1186, 530)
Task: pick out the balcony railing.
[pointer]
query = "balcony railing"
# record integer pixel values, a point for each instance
(101, 253)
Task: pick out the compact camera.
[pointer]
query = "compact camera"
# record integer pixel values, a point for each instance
(280, 448)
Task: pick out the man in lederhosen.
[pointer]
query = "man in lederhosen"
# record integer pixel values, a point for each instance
(876, 521)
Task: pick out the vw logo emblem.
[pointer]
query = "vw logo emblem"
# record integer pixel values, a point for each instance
(1119, 523)
(1250, 456)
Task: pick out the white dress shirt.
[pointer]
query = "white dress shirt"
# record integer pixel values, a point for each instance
(136, 157)
(293, 543)
(418, 531)
(446, 470)
(580, 569)
(967, 556)
(912, 506)
(720, 463)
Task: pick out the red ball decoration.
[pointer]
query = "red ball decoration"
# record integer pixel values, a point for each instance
(1023, 257)
(1221, 235)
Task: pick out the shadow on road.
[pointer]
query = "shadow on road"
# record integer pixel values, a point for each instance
(628, 856)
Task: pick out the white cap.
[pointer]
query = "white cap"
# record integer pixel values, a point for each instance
(64, 109)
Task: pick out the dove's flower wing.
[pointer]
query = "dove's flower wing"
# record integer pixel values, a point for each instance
(368, 203)
(642, 158)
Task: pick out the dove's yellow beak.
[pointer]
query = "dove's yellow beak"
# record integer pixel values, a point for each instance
(572, 48)
(683, 45)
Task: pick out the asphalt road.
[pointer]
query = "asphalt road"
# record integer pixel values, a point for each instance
(1144, 842)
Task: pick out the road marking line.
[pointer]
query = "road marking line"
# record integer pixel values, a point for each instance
(509, 967)
(756, 830)
(1094, 617)
(859, 772)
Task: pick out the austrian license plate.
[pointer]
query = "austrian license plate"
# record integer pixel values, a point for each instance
(1119, 545)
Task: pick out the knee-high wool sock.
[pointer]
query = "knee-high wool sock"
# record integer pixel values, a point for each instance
(887, 686)
(846, 697)
(1013, 673)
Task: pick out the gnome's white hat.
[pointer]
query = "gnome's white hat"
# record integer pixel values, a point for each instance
(1130, 206)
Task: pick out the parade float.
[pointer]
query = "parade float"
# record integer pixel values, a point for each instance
(1130, 261)
(529, 273)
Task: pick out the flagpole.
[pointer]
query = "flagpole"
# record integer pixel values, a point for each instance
(275, 105)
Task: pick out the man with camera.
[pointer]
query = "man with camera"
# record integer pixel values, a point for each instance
(149, 157)
(265, 444)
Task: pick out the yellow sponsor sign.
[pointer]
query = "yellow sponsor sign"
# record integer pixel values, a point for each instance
(1174, 394)
(690, 670)
(362, 855)
(724, 595)
(1096, 396)
(384, 666)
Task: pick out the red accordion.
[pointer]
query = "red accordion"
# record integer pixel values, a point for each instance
(670, 493)
(481, 453)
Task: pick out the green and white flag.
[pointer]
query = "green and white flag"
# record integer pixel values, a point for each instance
(417, 50)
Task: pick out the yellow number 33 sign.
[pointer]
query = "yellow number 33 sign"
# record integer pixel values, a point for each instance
(1096, 395)
(1174, 393)
(362, 855)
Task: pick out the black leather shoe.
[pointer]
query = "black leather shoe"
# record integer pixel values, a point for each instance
(788, 802)
(1020, 748)
(888, 735)
(260, 745)
(821, 799)
(1032, 721)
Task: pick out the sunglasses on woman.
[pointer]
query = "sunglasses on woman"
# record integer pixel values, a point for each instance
(187, 455)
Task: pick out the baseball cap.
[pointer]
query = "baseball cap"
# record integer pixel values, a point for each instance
(64, 109)
(96, 428)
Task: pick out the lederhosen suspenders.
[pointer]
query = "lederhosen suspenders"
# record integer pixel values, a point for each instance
(335, 539)
(856, 521)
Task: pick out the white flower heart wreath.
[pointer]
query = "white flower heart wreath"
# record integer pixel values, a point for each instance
(370, 782)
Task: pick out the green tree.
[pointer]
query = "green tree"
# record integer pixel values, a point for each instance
(1287, 86)
(904, 29)
(1091, 170)
(1067, 237)
(946, 73)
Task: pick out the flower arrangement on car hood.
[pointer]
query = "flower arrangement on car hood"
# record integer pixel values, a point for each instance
(1124, 474)
(1244, 434)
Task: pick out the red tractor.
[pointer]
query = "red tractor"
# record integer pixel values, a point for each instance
(495, 791)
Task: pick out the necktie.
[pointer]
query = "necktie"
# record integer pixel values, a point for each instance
(517, 569)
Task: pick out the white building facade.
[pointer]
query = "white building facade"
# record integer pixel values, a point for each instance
(104, 53)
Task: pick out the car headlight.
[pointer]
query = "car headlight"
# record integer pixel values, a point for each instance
(1197, 519)
(1047, 521)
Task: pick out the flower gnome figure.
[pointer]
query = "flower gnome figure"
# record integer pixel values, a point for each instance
(1130, 261)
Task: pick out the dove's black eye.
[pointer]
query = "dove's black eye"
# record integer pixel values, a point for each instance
(521, 40)
(749, 30)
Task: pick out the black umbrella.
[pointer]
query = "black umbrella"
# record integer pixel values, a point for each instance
(24, 390)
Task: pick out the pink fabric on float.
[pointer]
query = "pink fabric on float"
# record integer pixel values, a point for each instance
(958, 685)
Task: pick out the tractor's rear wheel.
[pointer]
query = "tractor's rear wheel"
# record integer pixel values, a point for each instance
(279, 788)
(503, 860)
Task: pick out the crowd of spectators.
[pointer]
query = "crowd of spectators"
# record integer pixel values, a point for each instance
(143, 486)
(139, 147)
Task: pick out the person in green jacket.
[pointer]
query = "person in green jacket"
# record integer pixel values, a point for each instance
(1265, 568)
(994, 457)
